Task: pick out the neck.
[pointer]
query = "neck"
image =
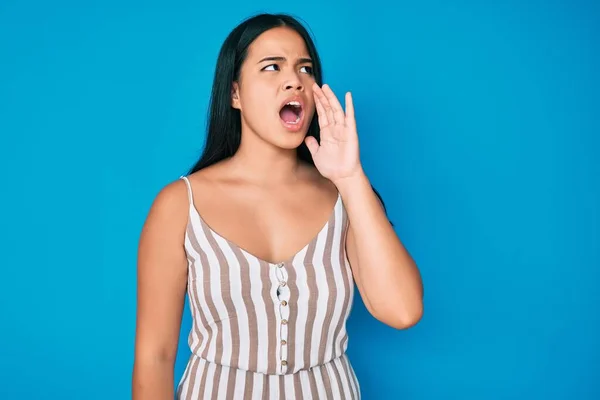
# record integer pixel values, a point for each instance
(264, 164)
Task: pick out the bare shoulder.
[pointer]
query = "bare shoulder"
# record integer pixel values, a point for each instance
(165, 222)
(170, 205)
(211, 175)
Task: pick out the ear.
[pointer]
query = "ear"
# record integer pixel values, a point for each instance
(235, 96)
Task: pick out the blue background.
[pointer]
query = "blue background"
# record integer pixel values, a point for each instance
(478, 123)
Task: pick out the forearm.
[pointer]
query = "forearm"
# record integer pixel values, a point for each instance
(153, 380)
(389, 276)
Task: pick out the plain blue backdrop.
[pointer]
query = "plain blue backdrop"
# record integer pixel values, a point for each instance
(478, 123)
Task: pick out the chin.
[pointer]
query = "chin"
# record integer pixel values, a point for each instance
(288, 137)
(289, 141)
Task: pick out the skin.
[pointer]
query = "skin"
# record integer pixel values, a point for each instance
(270, 204)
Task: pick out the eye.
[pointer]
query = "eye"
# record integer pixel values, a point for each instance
(275, 67)
(308, 69)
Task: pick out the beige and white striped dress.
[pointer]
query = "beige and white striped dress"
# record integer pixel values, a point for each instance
(263, 330)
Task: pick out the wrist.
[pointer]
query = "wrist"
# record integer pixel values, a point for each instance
(352, 182)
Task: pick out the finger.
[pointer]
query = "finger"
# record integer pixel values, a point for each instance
(350, 118)
(312, 145)
(321, 114)
(336, 107)
(325, 103)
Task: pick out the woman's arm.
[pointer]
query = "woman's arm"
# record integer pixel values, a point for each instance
(387, 277)
(385, 273)
(162, 279)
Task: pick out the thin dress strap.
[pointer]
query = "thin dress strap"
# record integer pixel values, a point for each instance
(189, 189)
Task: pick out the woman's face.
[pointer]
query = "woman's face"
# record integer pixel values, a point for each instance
(276, 72)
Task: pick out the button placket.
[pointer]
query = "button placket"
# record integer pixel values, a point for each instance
(282, 298)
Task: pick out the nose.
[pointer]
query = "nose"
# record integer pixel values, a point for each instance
(292, 82)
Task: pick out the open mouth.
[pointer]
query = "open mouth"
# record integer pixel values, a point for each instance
(291, 113)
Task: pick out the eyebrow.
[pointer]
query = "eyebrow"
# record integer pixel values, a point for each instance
(302, 60)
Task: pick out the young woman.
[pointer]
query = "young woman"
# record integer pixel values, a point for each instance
(267, 235)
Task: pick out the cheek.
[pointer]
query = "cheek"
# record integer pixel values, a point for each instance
(310, 104)
(254, 98)
(257, 107)
(309, 94)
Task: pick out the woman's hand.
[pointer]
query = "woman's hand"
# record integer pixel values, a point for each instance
(337, 156)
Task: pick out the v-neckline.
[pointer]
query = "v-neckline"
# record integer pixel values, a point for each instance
(259, 259)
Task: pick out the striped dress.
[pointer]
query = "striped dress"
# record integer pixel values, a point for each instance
(268, 331)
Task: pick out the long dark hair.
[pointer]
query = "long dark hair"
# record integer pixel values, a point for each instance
(224, 122)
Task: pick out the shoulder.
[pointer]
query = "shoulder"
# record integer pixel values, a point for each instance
(169, 209)
(172, 196)
(176, 194)
(203, 185)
